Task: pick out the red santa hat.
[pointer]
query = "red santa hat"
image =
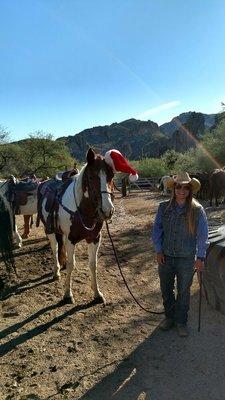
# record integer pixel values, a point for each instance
(119, 164)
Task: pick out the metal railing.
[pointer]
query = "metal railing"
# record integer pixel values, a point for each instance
(141, 185)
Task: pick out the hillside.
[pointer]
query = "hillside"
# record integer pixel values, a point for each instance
(137, 139)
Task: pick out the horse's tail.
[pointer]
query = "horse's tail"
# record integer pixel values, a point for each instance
(6, 235)
(61, 249)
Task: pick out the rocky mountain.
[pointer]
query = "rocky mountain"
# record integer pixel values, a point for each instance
(137, 139)
(204, 121)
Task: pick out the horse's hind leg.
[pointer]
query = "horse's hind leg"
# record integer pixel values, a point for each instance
(92, 255)
(54, 247)
(68, 296)
(61, 250)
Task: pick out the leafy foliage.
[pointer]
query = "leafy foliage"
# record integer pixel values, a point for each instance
(185, 162)
(39, 154)
(4, 134)
(170, 158)
(10, 158)
(150, 167)
(208, 155)
(214, 143)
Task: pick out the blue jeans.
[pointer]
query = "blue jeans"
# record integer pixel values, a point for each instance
(182, 268)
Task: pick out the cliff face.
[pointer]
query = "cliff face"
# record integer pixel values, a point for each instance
(188, 133)
(133, 138)
(137, 139)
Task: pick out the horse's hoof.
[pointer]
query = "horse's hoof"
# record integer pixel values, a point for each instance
(63, 266)
(24, 236)
(68, 300)
(17, 246)
(99, 300)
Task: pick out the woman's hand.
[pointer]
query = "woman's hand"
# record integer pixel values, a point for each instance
(160, 258)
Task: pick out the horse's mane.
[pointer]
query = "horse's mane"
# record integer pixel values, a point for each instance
(78, 179)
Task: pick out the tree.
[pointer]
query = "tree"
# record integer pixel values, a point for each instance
(186, 162)
(44, 156)
(150, 167)
(10, 156)
(170, 157)
(4, 135)
(214, 143)
(39, 154)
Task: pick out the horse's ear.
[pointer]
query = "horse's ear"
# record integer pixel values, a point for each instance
(90, 156)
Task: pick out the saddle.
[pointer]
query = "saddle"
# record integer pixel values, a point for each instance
(52, 191)
(64, 175)
(26, 186)
(19, 191)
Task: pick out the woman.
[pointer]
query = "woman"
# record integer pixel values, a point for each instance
(180, 234)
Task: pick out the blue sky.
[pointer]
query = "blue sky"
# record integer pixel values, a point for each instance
(68, 65)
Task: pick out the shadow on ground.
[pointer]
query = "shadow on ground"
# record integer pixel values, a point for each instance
(166, 367)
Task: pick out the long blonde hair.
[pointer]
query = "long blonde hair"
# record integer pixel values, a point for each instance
(193, 207)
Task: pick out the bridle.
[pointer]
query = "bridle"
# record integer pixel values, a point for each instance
(87, 185)
(110, 193)
(78, 211)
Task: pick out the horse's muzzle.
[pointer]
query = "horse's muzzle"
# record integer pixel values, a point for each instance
(105, 215)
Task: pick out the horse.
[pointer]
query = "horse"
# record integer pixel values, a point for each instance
(75, 211)
(163, 185)
(6, 235)
(217, 185)
(22, 198)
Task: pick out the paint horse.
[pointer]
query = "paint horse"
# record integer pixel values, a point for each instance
(22, 198)
(74, 211)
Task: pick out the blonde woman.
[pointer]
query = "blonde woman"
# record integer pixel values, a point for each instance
(180, 237)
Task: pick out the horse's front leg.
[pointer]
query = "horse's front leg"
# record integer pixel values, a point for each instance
(17, 237)
(71, 262)
(92, 255)
(54, 247)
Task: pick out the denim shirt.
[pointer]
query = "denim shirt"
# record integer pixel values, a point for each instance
(170, 232)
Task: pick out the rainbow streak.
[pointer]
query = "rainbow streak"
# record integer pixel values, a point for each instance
(199, 145)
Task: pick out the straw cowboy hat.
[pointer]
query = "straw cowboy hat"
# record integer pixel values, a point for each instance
(183, 178)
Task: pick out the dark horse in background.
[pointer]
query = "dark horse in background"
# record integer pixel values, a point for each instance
(217, 185)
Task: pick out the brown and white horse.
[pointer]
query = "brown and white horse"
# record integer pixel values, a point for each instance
(75, 212)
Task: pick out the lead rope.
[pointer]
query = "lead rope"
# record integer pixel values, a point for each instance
(200, 301)
(132, 295)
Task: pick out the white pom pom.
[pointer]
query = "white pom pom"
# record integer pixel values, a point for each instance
(133, 178)
(109, 160)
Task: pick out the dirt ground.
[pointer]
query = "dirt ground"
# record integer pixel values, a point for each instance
(86, 351)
